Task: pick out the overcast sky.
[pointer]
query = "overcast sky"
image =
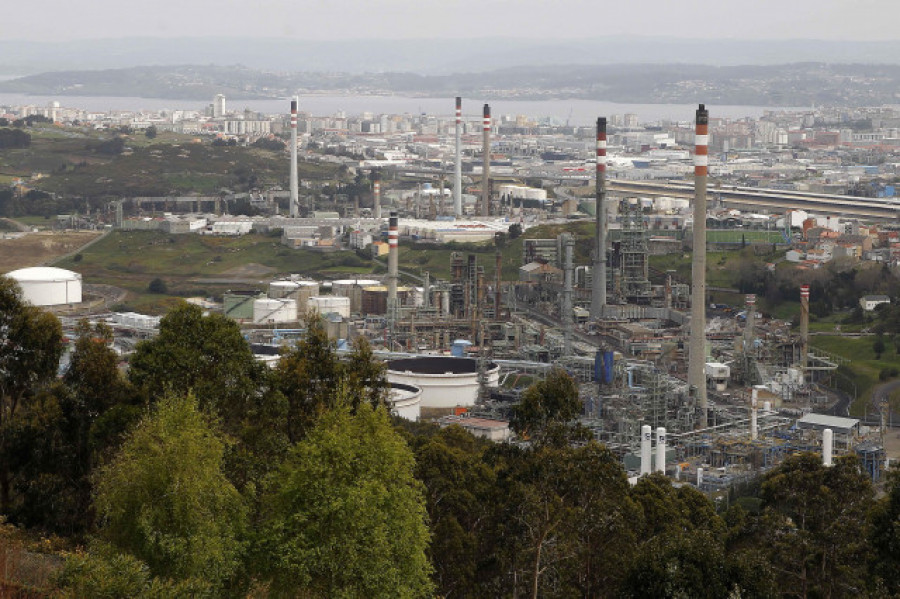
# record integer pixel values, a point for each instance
(63, 20)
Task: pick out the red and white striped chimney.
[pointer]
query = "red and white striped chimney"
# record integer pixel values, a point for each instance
(393, 235)
(486, 168)
(697, 351)
(598, 290)
(804, 327)
(457, 171)
(295, 186)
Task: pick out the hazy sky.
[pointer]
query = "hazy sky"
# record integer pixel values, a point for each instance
(61, 20)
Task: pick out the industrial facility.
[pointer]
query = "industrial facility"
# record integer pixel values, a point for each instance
(719, 395)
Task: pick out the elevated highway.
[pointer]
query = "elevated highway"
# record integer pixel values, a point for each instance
(776, 200)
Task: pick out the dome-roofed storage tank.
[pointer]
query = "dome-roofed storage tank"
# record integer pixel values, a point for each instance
(273, 311)
(446, 382)
(48, 286)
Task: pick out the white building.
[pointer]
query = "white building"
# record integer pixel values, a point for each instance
(48, 286)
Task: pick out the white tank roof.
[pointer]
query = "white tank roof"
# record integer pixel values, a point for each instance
(43, 274)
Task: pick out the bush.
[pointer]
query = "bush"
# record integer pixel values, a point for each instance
(157, 285)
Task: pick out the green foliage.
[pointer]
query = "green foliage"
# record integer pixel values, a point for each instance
(151, 132)
(884, 535)
(312, 380)
(344, 516)
(14, 139)
(165, 498)
(206, 354)
(157, 285)
(878, 347)
(552, 401)
(107, 574)
(30, 348)
(813, 522)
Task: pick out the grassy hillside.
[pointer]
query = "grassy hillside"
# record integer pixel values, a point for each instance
(863, 369)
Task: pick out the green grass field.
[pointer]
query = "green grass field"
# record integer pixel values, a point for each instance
(863, 369)
(738, 236)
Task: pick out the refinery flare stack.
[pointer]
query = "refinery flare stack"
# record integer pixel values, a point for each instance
(697, 345)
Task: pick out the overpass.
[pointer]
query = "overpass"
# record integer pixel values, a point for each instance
(776, 200)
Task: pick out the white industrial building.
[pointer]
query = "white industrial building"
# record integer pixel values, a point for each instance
(48, 286)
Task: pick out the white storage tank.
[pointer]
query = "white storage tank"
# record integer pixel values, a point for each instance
(272, 311)
(297, 290)
(405, 401)
(352, 288)
(446, 382)
(48, 286)
(326, 304)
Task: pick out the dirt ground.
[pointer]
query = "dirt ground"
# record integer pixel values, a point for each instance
(36, 249)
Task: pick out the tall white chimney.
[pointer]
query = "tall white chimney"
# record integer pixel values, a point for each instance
(646, 440)
(661, 449)
(827, 446)
(754, 427)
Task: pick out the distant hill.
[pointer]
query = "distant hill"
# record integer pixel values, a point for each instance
(427, 56)
(797, 84)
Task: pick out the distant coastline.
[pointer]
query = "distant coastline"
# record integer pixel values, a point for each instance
(583, 112)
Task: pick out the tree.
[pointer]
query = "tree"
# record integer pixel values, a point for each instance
(165, 500)
(157, 285)
(812, 522)
(343, 516)
(30, 348)
(206, 354)
(552, 401)
(64, 432)
(878, 346)
(884, 535)
(515, 230)
(151, 132)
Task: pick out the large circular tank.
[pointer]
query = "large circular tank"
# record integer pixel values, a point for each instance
(326, 304)
(445, 382)
(352, 288)
(48, 286)
(273, 311)
(374, 299)
(297, 290)
(405, 401)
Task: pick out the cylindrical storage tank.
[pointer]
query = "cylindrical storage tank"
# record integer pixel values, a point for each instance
(272, 311)
(300, 291)
(373, 300)
(445, 382)
(328, 304)
(405, 401)
(48, 286)
(352, 288)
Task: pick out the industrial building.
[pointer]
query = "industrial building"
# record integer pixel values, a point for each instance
(48, 286)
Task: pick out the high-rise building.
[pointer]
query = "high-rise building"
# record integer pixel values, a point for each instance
(219, 106)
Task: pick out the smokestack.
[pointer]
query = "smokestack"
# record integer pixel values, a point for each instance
(661, 449)
(392, 266)
(598, 292)
(697, 355)
(827, 446)
(699, 477)
(498, 274)
(486, 168)
(804, 327)
(750, 322)
(646, 440)
(566, 312)
(426, 290)
(295, 199)
(457, 171)
(754, 426)
(376, 192)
